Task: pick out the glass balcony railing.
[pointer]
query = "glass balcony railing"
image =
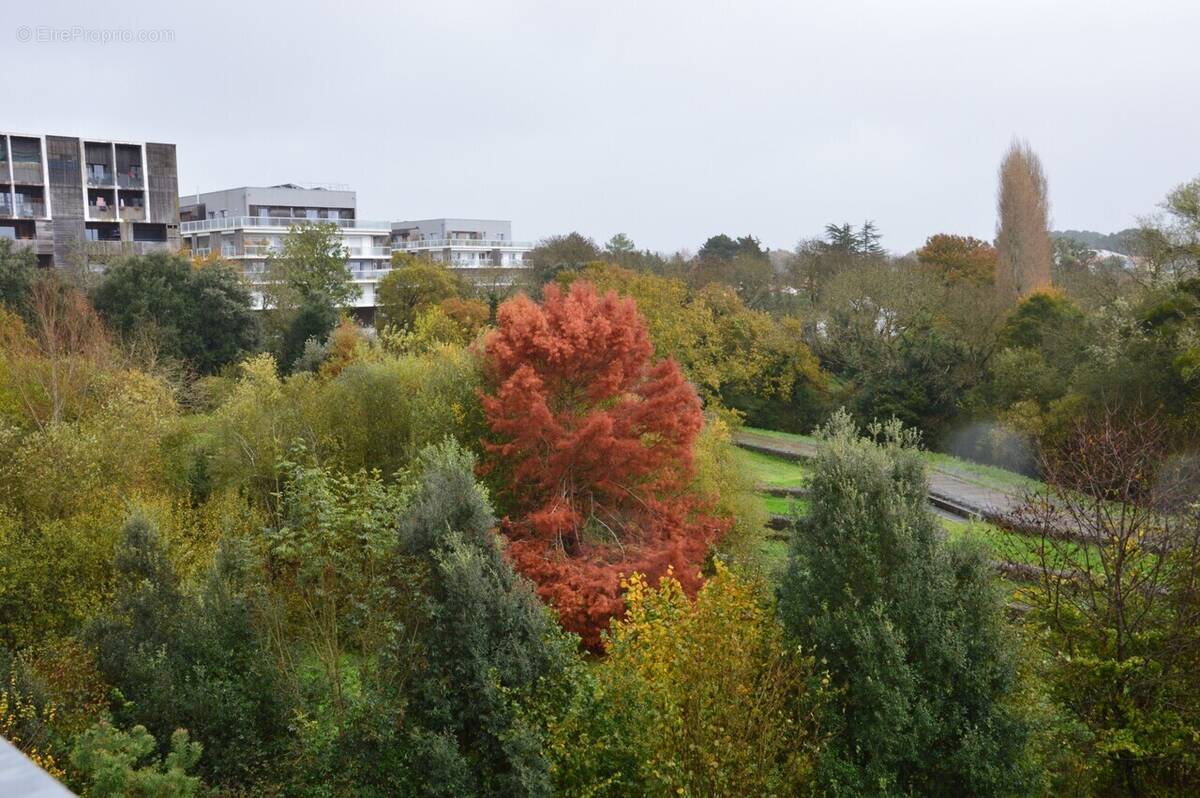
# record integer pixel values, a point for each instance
(27, 172)
(130, 179)
(30, 209)
(6, 207)
(459, 243)
(99, 176)
(283, 222)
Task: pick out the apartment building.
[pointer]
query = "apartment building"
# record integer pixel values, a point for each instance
(482, 248)
(79, 201)
(247, 224)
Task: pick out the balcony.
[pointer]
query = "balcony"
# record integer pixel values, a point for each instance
(260, 250)
(133, 213)
(30, 209)
(131, 178)
(280, 222)
(369, 252)
(459, 243)
(99, 176)
(116, 248)
(27, 172)
(6, 206)
(101, 212)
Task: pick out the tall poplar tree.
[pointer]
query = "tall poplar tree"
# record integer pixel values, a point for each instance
(1022, 227)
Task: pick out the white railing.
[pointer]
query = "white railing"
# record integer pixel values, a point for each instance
(460, 243)
(369, 252)
(284, 222)
(201, 252)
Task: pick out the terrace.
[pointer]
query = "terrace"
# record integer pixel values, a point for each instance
(129, 167)
(26, 161)
(278, 222)
(459, 243)
(30, 203)
(98, 165)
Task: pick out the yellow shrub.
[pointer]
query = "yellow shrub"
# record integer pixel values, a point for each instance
(731, 707)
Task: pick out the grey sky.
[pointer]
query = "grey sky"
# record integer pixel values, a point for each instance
(669, 121)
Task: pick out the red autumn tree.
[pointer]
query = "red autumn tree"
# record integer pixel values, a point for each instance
(592, 442)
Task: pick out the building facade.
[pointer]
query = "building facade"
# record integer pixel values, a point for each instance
(476, 246)
(79, 201)
(247, 224)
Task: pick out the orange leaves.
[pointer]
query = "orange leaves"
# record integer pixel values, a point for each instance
(593, 444)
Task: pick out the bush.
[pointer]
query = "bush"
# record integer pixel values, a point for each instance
(701, 698)
(910, 627)
(191, 660)
(119, 764)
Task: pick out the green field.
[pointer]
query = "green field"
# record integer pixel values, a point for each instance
(768, 471)
(987, 476)
(775, 472)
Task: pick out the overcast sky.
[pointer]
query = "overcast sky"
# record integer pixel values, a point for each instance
(669, 121)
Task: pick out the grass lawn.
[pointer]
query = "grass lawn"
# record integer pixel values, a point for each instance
(784, 505)
(772, 471)
(987, 476)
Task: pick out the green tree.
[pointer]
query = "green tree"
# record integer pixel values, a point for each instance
(17, 270)
(494, 652)
(866, 242)
(455, 691)
(203, 316)
(191, 660)
(1170, 242)
(310, 268)
(313, 320)
(1119, 620)
(555, 254)
(412, 285)
(120, 764)
(619, 247)
(910, 627)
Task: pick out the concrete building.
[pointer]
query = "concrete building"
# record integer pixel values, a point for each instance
(482, 248)
(79, 201)
(246, 224)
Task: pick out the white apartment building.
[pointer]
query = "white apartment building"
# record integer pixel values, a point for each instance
(476, 245)
(246, 224)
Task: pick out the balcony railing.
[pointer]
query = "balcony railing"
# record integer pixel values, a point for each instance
(459, 243)
(27, 172)
(133, 213)
(369, 252)
(130, 180)
(102, 178)
(31, 209)
(260, 250)
(96, 212)
(201, 252)
(103, 248)
(284, 222)
(5, 206)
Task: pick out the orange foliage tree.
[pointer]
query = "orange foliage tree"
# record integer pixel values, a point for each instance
(592, 443)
